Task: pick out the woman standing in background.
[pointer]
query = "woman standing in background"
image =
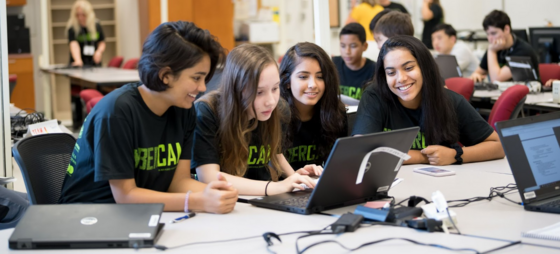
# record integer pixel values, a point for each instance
(432, 15)
(85, 36)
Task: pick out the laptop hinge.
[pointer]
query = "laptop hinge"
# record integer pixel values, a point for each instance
(24, 243)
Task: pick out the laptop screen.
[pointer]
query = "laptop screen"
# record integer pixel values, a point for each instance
(448, 66)
(521, 68)
(534, 146)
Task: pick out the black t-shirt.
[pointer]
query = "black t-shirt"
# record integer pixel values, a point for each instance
(123, 139)
(396, 6)
(519, 48)
(304, 149)
(84, 38)
(375, 115)
(208, 149)
(351, 82)
(429, 25)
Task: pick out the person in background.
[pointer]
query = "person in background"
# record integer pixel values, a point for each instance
(432, 14)
(444, 39)
(392, 24)
(410, 92)
(388, 4)
(363, 13)
(502, 43)
(309, 84)
(353, 69)
(85, 36)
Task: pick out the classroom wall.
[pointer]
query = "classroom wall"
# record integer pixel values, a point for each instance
(129, 28)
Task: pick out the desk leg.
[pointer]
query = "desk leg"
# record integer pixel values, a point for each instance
(60, 94)
(47, 93)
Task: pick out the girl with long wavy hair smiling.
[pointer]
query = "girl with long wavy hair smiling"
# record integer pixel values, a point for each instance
(239, 127)
(309, 83)
(410, 92)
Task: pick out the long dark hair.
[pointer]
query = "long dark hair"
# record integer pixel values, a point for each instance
(233, 102)
(440, 123)
(330, 108)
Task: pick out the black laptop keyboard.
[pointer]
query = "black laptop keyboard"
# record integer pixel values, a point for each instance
(485, 86)
(299, 201)
(555, 203)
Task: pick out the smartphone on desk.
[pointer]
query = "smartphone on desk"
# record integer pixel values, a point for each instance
(434, 171)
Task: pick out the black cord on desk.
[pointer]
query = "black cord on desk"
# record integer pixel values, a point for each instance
(162, 247)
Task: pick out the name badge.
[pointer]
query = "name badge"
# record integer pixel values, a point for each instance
(89, 50)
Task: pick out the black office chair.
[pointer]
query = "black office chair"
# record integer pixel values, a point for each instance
(43, 161)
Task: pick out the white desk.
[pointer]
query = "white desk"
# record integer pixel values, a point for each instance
(495, 219)
(57, 105)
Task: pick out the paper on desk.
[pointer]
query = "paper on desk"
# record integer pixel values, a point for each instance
(45, 127)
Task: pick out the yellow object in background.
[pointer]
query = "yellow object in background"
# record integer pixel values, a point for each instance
(276, 14)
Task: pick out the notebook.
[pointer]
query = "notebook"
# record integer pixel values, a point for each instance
(532, 148)
(551, 232)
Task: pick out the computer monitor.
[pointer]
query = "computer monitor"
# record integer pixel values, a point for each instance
(521, 34)
(546, 41)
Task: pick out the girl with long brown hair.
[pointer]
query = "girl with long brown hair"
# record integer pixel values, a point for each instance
(239, 127)
(309, 83)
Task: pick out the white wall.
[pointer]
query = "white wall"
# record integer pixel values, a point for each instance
(128, 26)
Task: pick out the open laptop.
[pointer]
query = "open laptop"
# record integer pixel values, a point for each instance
(532, 148)
(341, 183)
(521, 68)
(448, 66)
(88, 226)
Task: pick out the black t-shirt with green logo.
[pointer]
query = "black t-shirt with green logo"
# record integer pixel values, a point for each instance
(123, 139)
(376, 115)
(206, 145)
(351, 82)
(304, 150)
(85, 38)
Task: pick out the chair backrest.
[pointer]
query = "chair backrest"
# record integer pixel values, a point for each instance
(509, 104)
(91, 103)
(548, 72)
(462, 86)
(43, 161)
(131, 64)
(116, 62)
(88, 94)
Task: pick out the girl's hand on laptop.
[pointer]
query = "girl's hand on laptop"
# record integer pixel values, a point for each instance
(290, 183)
(440, 155)
(218, 196)
(310, 170)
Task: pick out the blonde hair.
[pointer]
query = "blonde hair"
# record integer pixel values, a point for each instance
(90, 18)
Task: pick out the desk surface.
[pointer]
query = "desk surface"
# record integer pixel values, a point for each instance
(486, 224)
(99, 75)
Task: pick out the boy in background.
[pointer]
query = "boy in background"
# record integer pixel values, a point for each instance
(354, 70)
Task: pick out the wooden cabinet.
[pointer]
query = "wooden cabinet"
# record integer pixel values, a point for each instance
(10, 3)
(23, 95)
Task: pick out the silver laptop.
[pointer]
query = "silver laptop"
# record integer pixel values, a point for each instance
(88, 226)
